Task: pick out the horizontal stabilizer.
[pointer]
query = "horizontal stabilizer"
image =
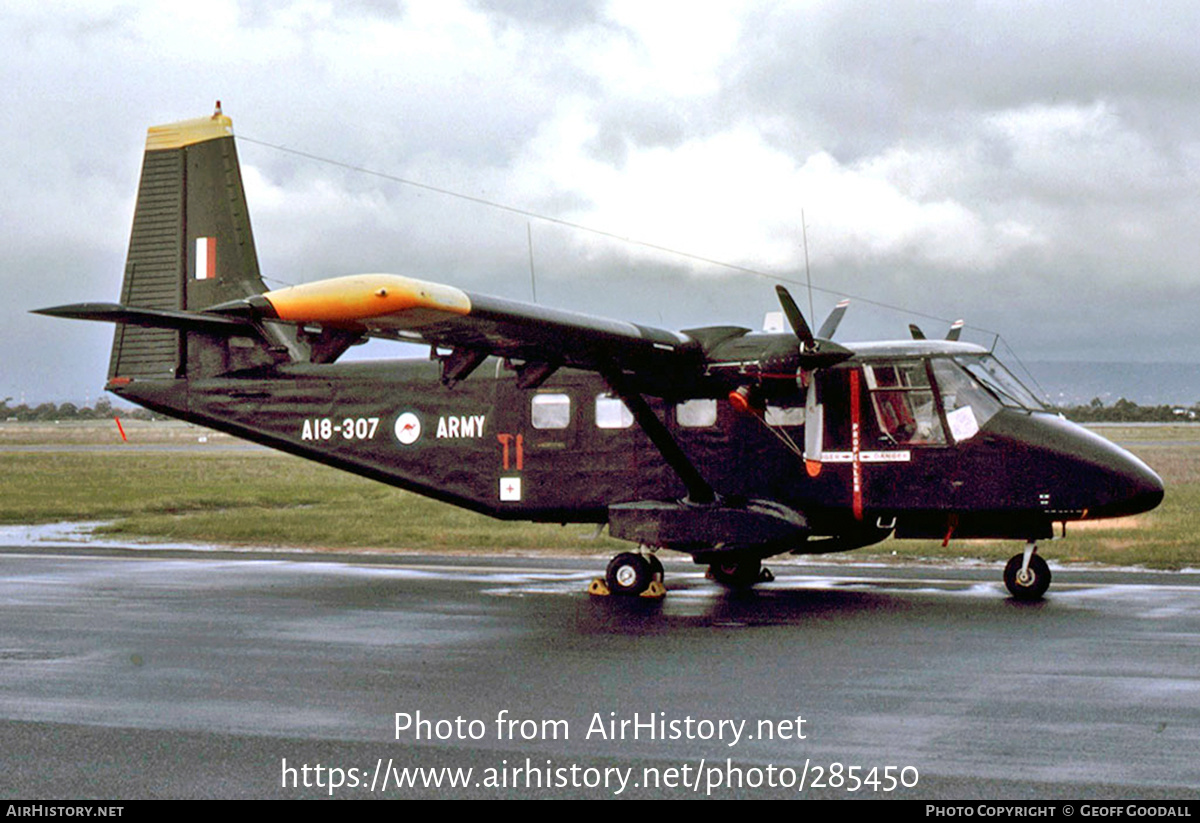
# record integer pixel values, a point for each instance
(153, 318)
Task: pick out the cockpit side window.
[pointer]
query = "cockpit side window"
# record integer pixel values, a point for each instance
(903, 401)
(968, 405)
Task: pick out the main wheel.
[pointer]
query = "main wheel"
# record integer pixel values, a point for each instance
(656, 568)
(739, 574)
(628, 573)
(1031, 584)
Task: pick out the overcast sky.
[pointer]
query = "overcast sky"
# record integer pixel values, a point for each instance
(1031, 167)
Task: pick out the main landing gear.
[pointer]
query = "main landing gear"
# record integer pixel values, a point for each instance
(740, 574)
(1027, 576)
(632, 574)
(640, 574)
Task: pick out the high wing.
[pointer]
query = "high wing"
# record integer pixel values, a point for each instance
(465, 328)
(537, 340)
(473, 326)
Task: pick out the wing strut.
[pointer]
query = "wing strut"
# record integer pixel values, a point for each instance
(698, 489)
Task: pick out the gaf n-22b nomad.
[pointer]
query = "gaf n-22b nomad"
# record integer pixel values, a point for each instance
(727, 444)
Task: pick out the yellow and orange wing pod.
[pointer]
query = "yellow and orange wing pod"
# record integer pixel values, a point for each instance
(405, 308)
(367, 299)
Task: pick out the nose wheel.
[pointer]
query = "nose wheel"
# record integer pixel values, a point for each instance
(1027, 576)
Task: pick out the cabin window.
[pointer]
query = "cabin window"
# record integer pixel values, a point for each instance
(550, 411)
(903, 401)
(784, 415)
(696, 414)
(612, 413)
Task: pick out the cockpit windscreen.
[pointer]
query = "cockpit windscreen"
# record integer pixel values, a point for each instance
(1000, 381)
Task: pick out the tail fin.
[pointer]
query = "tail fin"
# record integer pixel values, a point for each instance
(191, 247)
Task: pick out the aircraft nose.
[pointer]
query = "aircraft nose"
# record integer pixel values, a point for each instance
(1147, 489)
(1137, 488)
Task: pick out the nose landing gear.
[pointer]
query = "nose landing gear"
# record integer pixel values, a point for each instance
(1027, 576)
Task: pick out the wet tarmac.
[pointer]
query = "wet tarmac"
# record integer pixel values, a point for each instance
(136, 673)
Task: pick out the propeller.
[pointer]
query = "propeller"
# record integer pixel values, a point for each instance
(815, 352)
(955, 331)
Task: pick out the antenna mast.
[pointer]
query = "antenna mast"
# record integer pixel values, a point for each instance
(532, 276)
(807, 273)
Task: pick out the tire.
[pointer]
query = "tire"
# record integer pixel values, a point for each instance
(1038, 579)
(656, 568)
(628, 574)
(738, 574)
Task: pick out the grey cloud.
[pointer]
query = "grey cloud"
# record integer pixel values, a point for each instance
(1115, 278)
(555, 15)
(867, 75)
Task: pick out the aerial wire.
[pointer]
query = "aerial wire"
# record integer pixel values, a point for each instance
(558, 221)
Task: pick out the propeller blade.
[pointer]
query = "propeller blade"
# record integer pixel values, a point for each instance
(955, 330)
(829, 327)
(814, 353)
(794, 316)
(916, 332)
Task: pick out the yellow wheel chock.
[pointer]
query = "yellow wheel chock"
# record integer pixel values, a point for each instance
(655, 591)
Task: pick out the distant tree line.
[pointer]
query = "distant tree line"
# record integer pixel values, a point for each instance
(102, 410)
(1126, 411)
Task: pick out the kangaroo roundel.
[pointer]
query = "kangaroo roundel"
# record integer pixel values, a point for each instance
(408, 428)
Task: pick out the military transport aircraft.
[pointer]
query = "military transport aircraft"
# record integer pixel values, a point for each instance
(727, 444)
